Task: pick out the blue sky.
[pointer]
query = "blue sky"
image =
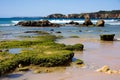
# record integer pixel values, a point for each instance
(10, 8)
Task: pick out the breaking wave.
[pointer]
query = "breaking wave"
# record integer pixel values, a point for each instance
(109, 22)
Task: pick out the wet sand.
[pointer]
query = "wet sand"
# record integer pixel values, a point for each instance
(95, 55)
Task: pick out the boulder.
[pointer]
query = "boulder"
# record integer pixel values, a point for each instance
(43, 23)
(1, 50)
(100, 23)
(106, 69)
(87, 22)
(73, 23)
(103, 69)
(107, 37)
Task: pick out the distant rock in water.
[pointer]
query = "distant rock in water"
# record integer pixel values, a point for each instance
(44, 23)
(87, 21)
(73, 23)
(56, 16)
(100, 23)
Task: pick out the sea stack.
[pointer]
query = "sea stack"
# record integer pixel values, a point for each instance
(87, 21)
(100, 23)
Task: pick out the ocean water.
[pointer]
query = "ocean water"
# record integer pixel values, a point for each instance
(9, 31)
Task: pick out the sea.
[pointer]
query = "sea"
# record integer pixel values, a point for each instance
(8, 31)
(95, 55)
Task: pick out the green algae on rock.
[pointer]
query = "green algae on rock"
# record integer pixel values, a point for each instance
(42, 51)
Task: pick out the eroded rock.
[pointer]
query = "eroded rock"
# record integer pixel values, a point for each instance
(106, 69)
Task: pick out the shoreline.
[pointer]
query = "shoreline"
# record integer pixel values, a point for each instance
(95, 55)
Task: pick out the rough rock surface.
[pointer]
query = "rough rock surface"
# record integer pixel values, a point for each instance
(106, 69)
(44, 23)
(100, 23)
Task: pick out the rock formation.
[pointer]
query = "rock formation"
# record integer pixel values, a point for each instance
(73, 23)
(95, 15)
(100, 23)
(106, 69)
(56, 16)
(87, 21)
(44, 23)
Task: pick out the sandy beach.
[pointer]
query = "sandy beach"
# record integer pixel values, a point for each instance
(95, 55)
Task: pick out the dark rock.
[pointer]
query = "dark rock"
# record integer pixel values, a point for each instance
(1, 50)
(100, 23)
(87, 22)
(58, 32)
(44, 23)
(56, 16)
(107, 37)
(73, 23)
(39, 32)
(52, 30)
(80, 30)
(78, 61)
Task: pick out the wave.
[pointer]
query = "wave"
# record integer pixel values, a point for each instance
(14, 22)
(109, 22)
(6, 24)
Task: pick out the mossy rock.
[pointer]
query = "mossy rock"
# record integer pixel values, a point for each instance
(78, 62)
(76, 47)
(42, 51)
(23, 69)
(107, 37)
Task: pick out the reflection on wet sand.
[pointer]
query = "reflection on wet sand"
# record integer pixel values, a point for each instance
(95, 55)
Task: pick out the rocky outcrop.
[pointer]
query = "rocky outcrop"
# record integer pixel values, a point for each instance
(73, 23)
(100, 22)
(75, 16)
(95, 15)
(106, 69)
(44, 23)
(56, 16)
(87, 21)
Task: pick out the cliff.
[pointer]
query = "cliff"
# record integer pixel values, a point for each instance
(100, 14)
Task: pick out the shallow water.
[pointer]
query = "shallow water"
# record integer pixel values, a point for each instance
(96, 54)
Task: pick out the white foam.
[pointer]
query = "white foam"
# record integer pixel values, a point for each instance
(15, 22)
(110, 22)
(114, 23)
(6, 24)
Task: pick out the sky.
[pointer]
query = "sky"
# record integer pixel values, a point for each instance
(15, 8)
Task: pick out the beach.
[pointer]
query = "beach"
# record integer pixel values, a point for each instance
(95, 55)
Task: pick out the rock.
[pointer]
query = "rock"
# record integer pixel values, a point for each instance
(119, 71)
(107, 37)
(58, 32)
(6, 50)
(23, 69)
(109, 72)
(37, 71)
(100, 23)
(1, 50)
(87, 22)
(103, 69)
(52, 30)
(78, 62)
(73, 23)
(56, 16)
(20, 66)
(114, 71)
(43, 23)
